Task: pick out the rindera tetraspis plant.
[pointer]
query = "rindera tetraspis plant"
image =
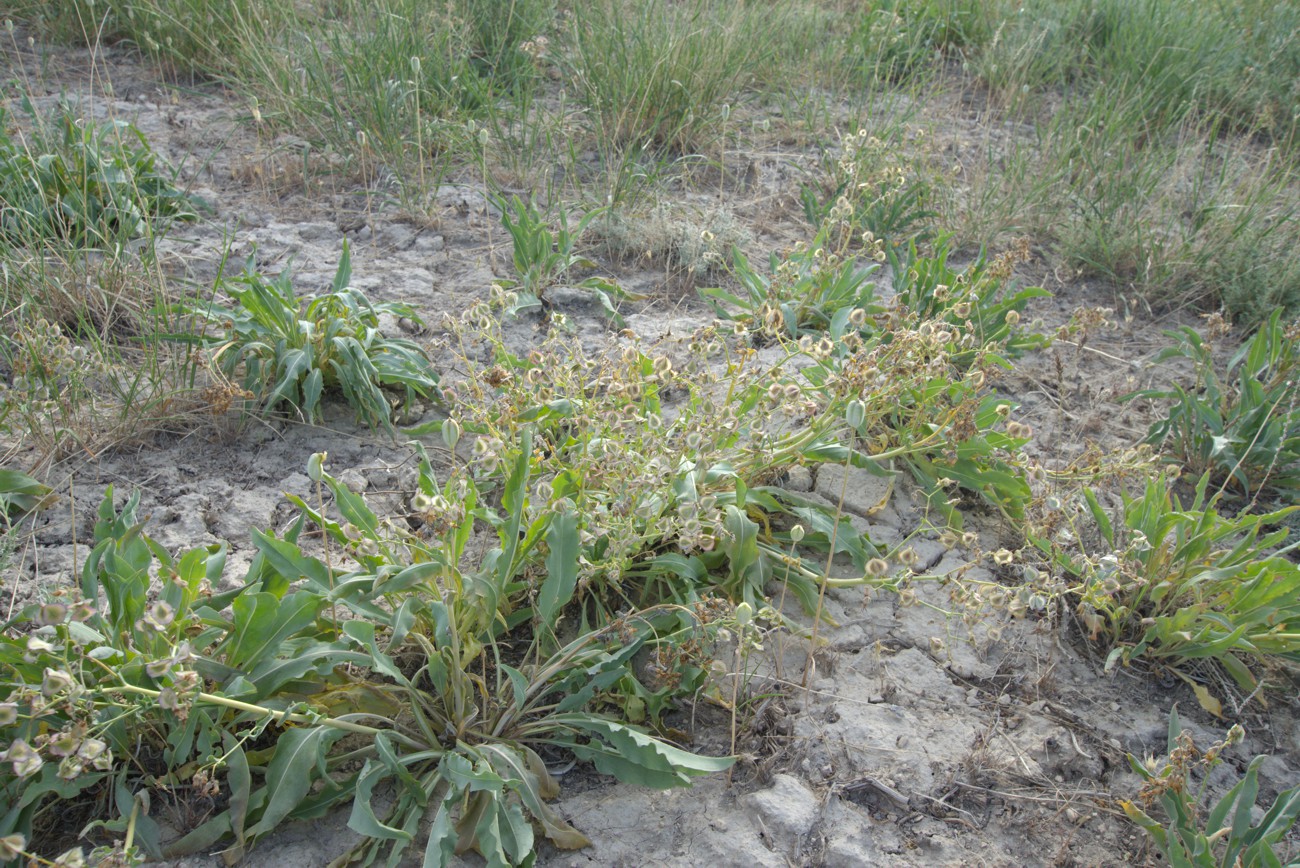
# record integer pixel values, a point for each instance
(543, 257)
(480, 702)
(1242, 425)
(976, 297)
(824, 287)
(669, 449)
(914, 370)
(1175, 584)
(810, 290)
(117, 684)
(86, 184)
(664, 454)
(1228, 836)
(872, 190)
(407, 664)
(287, 350)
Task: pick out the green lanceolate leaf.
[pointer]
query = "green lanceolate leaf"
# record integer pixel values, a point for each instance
(742, 551)
(561, 568)
(298, 762)
(19, 494)
(636, 757)
(262, 622)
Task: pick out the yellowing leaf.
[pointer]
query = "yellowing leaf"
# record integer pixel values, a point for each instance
(1207, 701)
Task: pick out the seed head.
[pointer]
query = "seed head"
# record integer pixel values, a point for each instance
(56, 681)
(12, 846)
(24, 758)
(50, 614)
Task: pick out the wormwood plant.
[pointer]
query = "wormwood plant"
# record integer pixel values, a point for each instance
(286, 350)
(1176, 584)
(86, 184)
(688, 246)
(1226, 837)
(1242, 426)
(67, 397)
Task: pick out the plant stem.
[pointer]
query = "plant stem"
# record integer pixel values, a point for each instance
(277, 716)
(130, 825)
(825, 579)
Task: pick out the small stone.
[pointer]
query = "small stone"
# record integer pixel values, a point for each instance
(429, 243)
(1004, 700)
(354, 480)
(798, 478)
(885, 536)
(787, 810)
(864, 493)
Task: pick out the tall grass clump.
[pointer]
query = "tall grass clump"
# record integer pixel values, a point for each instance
(186, 37)
(1233, 62)
(505, 36)
(893, 41)
(385, 86)
(808, 47)
(1182, 215)
(1162, 158)
(658, 79)
(390, 81)
(80, 289)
